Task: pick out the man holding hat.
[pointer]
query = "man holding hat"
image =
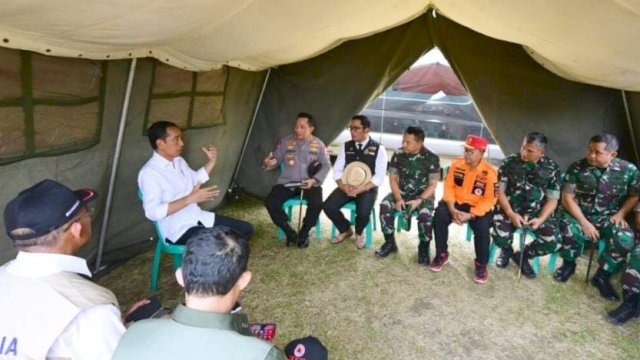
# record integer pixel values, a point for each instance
(49, 309)
(469, 197)
(297, 155)
(359, 170)
(213, 274)
(414, 172)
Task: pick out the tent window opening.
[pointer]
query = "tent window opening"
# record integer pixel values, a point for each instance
(48, 105)
(189, 99)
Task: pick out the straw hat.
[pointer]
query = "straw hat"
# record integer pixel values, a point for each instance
(356, 173)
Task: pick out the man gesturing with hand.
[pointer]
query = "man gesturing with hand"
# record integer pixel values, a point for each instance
(171, 190)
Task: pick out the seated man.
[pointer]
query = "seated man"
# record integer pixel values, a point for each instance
(597, 193)
(295, 153)
(528, 193)
(364, 149)
(49, 309)
(469, 196)
(630, 307)
(414, 172)
(171, 190)
(213, 274)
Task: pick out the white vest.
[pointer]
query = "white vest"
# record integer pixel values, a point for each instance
(35, 311)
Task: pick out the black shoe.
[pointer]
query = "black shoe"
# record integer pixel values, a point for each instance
(423, 253)
(601, 281)
(627, 310)
(292, 237)
(564, 272)
(503, 259)
(387, 248)
(303, 241)
(526, 268)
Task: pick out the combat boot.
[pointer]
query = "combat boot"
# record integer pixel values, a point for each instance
(303, 237)
(388, 247)
(627, 310)
(423, 253)
(564, 272)
(503, 259)
(601, 281)
(526, 268)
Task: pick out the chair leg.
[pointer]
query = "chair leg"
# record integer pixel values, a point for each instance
(155, 267)
(536, 264)
(369, 235)
(551, 266)
(177, 261)
(318, 230)
(492, 253)
(469, 233)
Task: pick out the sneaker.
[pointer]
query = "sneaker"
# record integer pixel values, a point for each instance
(481, 275)
(439, 261)
(359, 241)
(236, 308)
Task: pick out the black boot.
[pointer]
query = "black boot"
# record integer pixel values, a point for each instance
(503, 259)
(303, 237)
(564, 272)
(423, 253)
(292, 237)
(601, 281)
(388, 247)
(627, 310)
(526, 268)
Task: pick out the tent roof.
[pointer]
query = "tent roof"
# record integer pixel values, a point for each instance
(430, 79)
(591, 41)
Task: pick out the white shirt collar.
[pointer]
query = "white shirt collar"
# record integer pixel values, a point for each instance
(161, 160)
(43, 264)
(364, 142)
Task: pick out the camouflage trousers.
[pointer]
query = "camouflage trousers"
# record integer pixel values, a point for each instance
(547, 236)
(618, 242)
(631, 277)
(425, 217)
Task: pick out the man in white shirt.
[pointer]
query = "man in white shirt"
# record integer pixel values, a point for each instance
(171, 190)
(49, 309)
(360, 148)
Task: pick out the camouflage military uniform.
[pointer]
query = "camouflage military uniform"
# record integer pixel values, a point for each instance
(599, 193)
(526, 186)
(414, 172)
(631, 277)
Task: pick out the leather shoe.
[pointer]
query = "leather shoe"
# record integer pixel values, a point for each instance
(503, 259)
(526, 268)
(601, 281)
(564, 272)
(303, 241)
(387, 248)
(292, 237)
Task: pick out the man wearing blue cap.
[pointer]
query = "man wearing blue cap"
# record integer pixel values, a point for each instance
(49, 309)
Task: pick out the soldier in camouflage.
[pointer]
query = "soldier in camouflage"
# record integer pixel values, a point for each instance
(528, 193)
(598, 192)
(413, 176)
(630, 284)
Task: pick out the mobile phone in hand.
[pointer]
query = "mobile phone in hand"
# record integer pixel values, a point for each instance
(153, 309)
(263, 331)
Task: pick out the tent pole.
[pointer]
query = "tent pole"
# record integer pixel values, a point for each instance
(630, 123)
(114, 165)
(253, 120)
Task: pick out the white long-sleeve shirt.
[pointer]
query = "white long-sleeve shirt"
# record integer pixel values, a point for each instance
(162, 181)
(381, 163)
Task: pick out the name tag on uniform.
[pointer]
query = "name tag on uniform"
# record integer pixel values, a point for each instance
(458, 177)
(371, 150)
(479, 186)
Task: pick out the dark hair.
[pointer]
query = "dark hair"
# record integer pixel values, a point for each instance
(609, 139)
(417, 132)
(213, 261)
(158, 131)
(366, 123)
(310, 119)
(536, 138)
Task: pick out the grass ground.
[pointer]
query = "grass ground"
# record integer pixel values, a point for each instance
(363, 307)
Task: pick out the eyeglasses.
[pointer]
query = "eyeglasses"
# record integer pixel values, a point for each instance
(354, 128)
(88, 212)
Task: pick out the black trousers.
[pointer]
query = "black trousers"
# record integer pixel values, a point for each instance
(243, 228)
(480, 227)
(279, 194)
(364, 204)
